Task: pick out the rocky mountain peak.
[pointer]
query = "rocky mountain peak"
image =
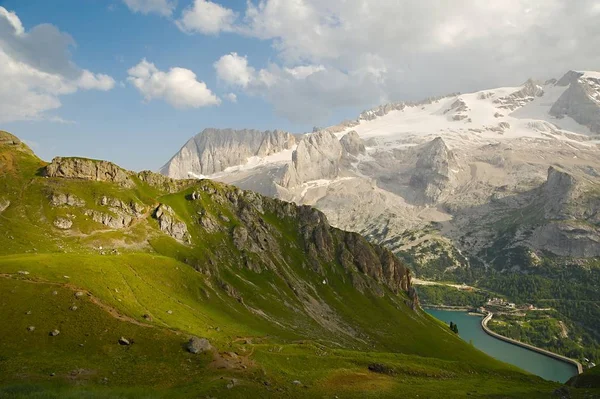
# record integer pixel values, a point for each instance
(568, 78)
(353, 144)
(214, 150)
(432, 172)
(317, 156)
(581, 101)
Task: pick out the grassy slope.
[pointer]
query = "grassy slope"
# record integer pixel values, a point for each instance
(153, 274)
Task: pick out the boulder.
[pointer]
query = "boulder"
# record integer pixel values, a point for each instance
(63, 223)
(124, 341)
(54, 333)
(198, 345)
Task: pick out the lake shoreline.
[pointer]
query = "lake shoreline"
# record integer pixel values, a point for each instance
(470, 329)
(556, 356)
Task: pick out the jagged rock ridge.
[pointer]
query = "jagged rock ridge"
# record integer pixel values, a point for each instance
(213, 150)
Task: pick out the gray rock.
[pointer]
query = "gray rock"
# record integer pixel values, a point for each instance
(60, 199)
(124, 341)
(431, 176)
(213, 150)
(54, 333)
(317, 157)
(88, 169)
(353, 144)
(31, 328)
(581, 101)
(198, 345)
(169, 224)
(63, 223)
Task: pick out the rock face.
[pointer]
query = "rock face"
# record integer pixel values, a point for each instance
(213, 150)
(60, 199)
(558, 191)
(432, 172)
(353, 144)
(119, 214)
(170, 225)
(581, 101)
(63, 223)
(88, 169)
(198, 345)
(317, 157)
(576, 240)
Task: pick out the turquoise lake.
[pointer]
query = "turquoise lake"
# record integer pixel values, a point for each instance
(469, 329)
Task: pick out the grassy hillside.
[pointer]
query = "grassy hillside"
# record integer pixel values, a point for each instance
(291, 306)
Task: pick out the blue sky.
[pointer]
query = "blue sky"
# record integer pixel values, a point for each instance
(117, 125)
(292, 64)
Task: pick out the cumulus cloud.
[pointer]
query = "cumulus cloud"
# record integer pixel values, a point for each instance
(299, 93)
(232, 97)
(234, 70)
(179, 86)
(160, 7)
(36, 69)
(206, 17)
(411, 50)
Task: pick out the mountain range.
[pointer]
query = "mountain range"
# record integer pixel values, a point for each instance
(499, 188)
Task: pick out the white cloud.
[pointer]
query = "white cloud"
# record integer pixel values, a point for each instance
(411, 50)
(36, 69)
(89, 81)
(234, 70)
(160, 7)
(179, 86)
(304, 91)
(232, 97)
(206, 17)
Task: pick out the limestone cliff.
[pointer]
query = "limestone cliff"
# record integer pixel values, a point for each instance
(317, 157)
(581, 101)
(213, 150)
(432, 174)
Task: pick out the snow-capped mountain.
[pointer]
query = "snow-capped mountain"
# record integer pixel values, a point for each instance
(468, 163)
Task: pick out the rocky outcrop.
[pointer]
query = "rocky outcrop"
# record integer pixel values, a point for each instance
(4, 204)
(431, 175)
(213, 150)
(527, 93)
(558, 192)
(119, 215)
(114, 221)
(352, 144)
(581, 101)
(163, 182)
(60, 199)
(88, 169)
(9, 140)
(572, 239)
(63, 223)
(317, 156)
(169, 224)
